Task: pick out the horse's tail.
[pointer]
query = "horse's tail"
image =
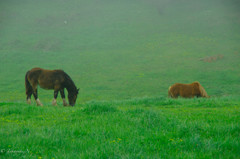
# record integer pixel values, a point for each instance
(169, 92)
(27, 85)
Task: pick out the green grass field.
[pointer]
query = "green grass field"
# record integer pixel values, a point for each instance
(138, 128)
(123, 55)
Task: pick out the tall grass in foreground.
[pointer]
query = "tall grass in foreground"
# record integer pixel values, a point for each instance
(138, 128)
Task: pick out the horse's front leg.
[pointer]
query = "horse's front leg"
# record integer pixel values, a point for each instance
(63, 97)
(54, 102)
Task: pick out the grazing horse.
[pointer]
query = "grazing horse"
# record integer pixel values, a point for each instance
(187, 90)
(50, 79)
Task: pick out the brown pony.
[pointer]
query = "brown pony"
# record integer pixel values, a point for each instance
(187, 90)
(50, 79)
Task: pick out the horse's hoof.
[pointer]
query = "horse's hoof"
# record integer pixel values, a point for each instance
(65, 102)
(54, 102)
(39, 103)
(66, 105)
(29, 101)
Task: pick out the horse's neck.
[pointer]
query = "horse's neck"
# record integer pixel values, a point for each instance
(70, 86)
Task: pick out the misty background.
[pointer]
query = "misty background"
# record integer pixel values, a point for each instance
(121, 49)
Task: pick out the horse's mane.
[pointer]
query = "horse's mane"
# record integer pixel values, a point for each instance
(201, 89)
(203, 92)
(69, 82)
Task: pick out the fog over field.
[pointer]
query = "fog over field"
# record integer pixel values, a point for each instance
(123, 55)
(121, 49)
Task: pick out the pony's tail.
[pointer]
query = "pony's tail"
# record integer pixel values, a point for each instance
(27, 85)
(169, 92)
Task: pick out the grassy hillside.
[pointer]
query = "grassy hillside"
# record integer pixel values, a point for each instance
(121, 49)
(123, 55)
(137, 128)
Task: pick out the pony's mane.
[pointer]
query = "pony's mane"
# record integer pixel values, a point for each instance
(201, 89)
(203, 92)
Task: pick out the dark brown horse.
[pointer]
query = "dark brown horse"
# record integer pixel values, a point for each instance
(50, 79)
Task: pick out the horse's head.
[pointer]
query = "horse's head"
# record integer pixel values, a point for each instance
(72, 97)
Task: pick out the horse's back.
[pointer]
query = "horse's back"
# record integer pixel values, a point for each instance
(47, 79)
(44, 72)
(35, 69)
(33, 73)
(181, 89)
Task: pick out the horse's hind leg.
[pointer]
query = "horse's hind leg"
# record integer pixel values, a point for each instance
(29, 90)
(35, 94)
(54, 102)
(29, 93)
(63, 97)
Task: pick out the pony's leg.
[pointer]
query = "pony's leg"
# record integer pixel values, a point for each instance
(63, 97)
(54, 102)
(35, 94)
